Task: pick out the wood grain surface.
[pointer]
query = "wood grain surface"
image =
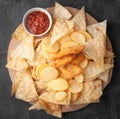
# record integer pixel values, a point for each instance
(11, 13)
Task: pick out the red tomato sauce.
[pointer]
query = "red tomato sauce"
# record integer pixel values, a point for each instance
(37, 22)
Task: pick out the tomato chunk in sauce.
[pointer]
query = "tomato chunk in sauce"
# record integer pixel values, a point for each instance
(37, 22)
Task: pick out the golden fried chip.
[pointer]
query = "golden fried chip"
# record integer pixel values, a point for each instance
(92, 71)
(75, 87)
(60, 28)
(69, 71)
(25, 49)
(50, 97)
(78, 37)
(20, 33)
(83, 64)
(60, 95)
(61, 12)
(58, 84)
(48, 73)
(91, 92)
(17, 63)
(79, 78)
(64, 60)
(79, 20)
(38, 70)
(50, 108)
(65, 39)
(50, 48)
(26, 90)
(86, 34)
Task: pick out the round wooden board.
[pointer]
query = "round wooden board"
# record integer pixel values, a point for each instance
(90, 20)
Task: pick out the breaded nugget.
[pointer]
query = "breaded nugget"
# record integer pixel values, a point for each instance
(69, 71)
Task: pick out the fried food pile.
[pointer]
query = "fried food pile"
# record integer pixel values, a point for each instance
(66, 67)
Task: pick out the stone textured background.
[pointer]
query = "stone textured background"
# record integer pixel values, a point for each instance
(11, 13)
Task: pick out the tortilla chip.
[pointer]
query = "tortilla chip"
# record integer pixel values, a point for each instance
(92, 71)
(105, 76)
(61, 28)
(26, 90)
(50, 97)
(69, 71)
(25, 49)
(52, 109)
(15, 84)
(79, 20)
(95, 50)
(40, 85)
(20, 33)
(91, 92)
(16, 63)
(61, 12)
(96, 29)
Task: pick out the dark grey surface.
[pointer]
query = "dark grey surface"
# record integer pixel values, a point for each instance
(11, 13)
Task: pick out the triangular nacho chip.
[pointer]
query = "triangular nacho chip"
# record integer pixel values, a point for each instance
(20, 33)
(61, 12)
(16, 81)
(61, 28)
(96, 29)
(17, 63)
(91, 92)
(79, 20)
(25, 49)
(95, 50)
(26, 90)
(92, 71)
(50, 108)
